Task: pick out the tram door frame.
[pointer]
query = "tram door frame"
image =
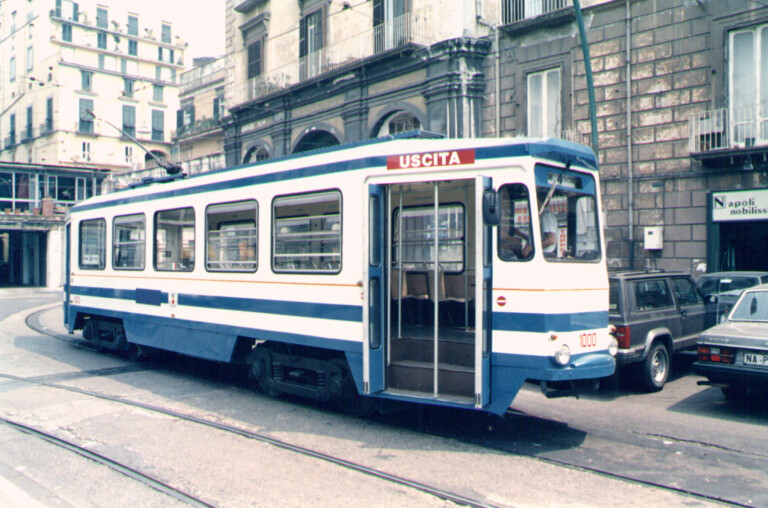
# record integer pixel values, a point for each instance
(376, 289)
(67, 269)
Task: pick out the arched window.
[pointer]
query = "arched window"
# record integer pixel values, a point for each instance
(314, 140)
(400, 121)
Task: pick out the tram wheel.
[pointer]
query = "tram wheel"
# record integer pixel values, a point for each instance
(89, 330)
(349, 401)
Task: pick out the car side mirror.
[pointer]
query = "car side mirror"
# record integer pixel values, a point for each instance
(712, 299)
(491, 208)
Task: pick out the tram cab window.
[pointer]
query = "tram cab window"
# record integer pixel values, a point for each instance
(232, 237)
(567, 214)
(93, 244)
(515, 235)
(307, 233)
(175, 240)
(129, 244)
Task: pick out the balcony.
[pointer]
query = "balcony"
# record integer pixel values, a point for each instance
(514, 11)
(203, 126)
(729, 132)
(404, 30)
(200, 77)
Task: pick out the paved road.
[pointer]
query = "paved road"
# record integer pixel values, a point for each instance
(231, 471)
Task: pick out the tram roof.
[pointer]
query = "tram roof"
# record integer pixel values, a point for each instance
(368, 152)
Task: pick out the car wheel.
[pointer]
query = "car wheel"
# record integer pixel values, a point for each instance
(734, 392)
(656, 368)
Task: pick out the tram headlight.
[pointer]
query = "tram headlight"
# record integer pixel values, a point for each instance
(563, 355)
(613, 346)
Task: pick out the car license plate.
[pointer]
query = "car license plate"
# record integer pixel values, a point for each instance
(759, 359)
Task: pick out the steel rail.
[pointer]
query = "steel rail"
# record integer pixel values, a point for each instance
(121, 468)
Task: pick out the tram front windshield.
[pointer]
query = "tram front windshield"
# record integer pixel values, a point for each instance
(566, 204)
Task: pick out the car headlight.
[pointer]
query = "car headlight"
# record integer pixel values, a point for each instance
(613, 346)
(563, 355)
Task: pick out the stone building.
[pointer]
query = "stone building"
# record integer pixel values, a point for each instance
(682, 116)
(317, 73)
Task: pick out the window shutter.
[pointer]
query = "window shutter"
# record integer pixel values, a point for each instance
(378, 12)
(303, 37)
(179, 119)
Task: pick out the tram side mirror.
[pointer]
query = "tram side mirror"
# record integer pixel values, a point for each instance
(491, 208)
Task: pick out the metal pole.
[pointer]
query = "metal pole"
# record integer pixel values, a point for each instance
(435, 287)
(590, 84)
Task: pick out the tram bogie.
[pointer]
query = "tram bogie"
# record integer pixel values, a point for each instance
(435, 271)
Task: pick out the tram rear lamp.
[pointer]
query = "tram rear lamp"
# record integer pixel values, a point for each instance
(613, 346)
(552, 336)
(563, 355)
(623, 336)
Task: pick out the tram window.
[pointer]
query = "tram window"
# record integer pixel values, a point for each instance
(515, 235)
(232, 237)
(175, 240)
(93, 244)
(566, 201)
(128, 242)
(418, 239)
(307, 233)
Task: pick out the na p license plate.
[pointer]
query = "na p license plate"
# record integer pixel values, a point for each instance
(757, 359)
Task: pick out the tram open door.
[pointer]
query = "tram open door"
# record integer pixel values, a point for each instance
(427, 292)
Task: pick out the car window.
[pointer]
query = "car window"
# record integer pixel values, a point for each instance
(752, 307)
(651, 294)
(685, 292)
(614, 297)
(720, 284)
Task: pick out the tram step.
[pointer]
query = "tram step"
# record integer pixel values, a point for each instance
(423, 350)
(419, 377)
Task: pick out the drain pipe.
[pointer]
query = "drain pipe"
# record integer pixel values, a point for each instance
(630, 171)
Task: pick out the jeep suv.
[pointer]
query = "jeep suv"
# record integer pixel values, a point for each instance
(656, 314)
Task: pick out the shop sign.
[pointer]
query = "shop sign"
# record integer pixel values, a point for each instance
(740, 205)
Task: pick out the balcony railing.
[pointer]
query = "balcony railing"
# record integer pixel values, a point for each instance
(729, 129)
(202, 76)
(199, 127)
(513, 11)
(403, 30)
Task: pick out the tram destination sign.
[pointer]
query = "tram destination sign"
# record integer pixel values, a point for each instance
(431, 159)
(740, 205)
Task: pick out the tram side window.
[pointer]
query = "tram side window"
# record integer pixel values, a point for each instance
(93, 244)
(515, 235)
(175, 240)
(232, 237)
(129, 244)
(307, 233)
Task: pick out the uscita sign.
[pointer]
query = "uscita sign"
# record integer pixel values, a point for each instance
(431, 159)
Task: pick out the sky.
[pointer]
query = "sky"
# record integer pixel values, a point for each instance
(199, 23)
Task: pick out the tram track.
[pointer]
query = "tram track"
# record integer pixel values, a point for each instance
(119, 467)
(425, 488)
(495, 445)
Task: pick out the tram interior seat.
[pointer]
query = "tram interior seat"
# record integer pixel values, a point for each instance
(416, 295)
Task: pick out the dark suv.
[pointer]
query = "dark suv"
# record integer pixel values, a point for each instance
(656, 314)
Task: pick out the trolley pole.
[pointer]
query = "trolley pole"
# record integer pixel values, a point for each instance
(590, 84)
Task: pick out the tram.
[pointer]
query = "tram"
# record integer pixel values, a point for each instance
(428, 270)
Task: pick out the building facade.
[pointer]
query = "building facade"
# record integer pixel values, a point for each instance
(198, 140)
(682, 116)
(78, 80)
(316, 73)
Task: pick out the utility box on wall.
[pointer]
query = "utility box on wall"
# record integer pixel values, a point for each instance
(654, 238)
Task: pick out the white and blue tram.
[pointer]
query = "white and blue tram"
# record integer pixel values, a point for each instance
(430, 270)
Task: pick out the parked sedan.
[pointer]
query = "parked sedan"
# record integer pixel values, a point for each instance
(734, 354)
(729, 285)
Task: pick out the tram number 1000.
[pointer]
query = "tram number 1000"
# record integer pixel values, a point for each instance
(588, 339)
